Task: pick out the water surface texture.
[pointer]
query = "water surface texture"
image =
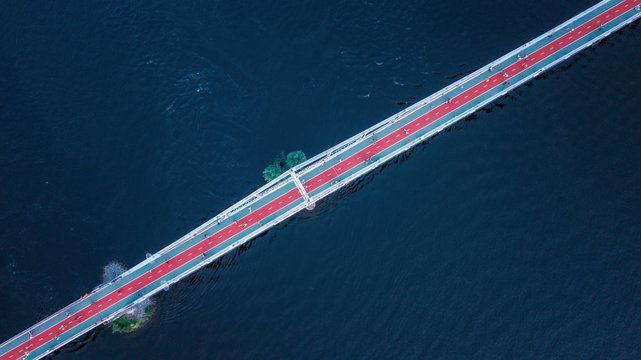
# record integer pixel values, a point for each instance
(124, 125)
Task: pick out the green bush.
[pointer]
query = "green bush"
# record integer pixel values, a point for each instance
(126, 324)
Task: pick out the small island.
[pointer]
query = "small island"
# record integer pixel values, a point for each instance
(132, 321)
(137, 315)
(283, 163)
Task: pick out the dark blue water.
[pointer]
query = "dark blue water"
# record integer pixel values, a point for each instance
(514, 235)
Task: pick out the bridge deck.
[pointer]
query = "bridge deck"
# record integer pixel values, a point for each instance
(319, 177)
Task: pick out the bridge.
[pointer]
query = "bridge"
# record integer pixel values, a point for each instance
(305, 184)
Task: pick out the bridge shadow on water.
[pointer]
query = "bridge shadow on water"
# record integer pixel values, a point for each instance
(79, 343)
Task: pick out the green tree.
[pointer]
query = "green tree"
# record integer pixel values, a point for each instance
(272, 171)
(279, 161)
(294, 158)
